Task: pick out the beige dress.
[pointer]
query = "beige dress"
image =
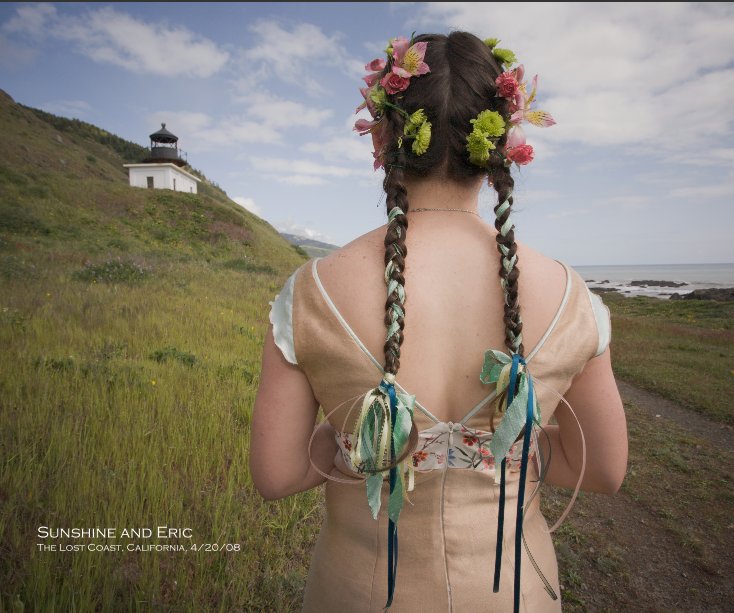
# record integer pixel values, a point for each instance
(447, 533)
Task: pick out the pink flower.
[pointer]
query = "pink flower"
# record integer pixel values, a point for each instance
(515, 138)
(368, 104)
(375, 67)
(507, 85)
(371, 78)
(522, 154)
(394, 83)
(380, 139)
(484, 451)
(363, 126)
(408, 61)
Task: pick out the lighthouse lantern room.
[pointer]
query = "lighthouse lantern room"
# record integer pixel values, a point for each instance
(163, 167)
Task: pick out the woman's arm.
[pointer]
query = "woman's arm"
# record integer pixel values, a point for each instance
(595, 400)
(283, 420)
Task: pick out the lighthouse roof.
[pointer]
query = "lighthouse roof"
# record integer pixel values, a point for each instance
(163, 136)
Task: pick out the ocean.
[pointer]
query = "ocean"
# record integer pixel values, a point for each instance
(693, 276)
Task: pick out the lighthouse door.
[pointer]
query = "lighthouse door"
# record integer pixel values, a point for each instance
(150, 182)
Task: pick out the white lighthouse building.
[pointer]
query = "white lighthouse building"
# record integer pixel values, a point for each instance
(163, 169)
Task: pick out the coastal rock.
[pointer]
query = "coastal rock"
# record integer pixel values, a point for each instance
(720, 294)
(647, 282)
(602, 290)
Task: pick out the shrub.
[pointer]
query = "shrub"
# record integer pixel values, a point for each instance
(245, 265)
(113, 271)
(171, 353)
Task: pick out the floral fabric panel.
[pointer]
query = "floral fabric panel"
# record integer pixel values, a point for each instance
(449, 445)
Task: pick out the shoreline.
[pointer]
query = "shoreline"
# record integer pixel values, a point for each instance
(659, 280)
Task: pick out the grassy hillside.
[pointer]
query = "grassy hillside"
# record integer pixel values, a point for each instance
(131, 326)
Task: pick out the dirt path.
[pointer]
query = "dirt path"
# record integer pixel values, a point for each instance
(665, 541)
(714, 432)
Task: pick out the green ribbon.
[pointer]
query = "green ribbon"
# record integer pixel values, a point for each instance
(374, 434)
(496, 369)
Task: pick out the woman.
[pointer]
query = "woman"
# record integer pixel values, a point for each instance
(464, 434)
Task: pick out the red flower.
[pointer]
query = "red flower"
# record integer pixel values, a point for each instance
(347, 444)
(418, 457)
(522, 154)
(470, 440)
(394, 83)
(506, 85)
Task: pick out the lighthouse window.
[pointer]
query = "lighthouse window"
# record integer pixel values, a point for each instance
(150, 182)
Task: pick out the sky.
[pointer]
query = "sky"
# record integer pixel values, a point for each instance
(639, 168)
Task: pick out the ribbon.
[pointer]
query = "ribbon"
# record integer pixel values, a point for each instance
(519, 409)
(383, 430)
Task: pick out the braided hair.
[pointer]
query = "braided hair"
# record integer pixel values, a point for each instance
(460, 85)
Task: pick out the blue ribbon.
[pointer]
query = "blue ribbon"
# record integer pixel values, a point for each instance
(511, 389)
(392, 529)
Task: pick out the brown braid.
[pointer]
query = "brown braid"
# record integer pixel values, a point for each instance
(395, 248)
(503, 184)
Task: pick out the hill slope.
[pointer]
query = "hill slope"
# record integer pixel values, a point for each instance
(65, 193)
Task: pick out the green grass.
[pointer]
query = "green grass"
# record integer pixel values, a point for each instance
(129, 406)
(131, 327)
(681, 349)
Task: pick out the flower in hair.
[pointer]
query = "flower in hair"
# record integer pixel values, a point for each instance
(405, 60)
(418, 127)
(511, 86)
(504, 56)
(394, 83)
(408, 59)
(489, 122)
(375, 67)
(489, 126)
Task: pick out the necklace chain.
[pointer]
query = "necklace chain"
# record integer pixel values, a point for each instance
(458, 210)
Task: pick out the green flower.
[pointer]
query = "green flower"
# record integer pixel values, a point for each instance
(504, 56)
(489, 122)
(478, 146)
(418, 128)
(378, 95)
(491, 42)
(414, 122)
(422, 139)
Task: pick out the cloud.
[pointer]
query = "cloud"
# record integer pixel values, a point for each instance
(31, 19)
(341, 148)
(265, 121)
(292, 227)
(299, 172)
(278, 112)
(14, 55)
(249, 204)
(295, 57)
(720, 190)
(201, 132)
(108, 36)
(648, 75)
(67, 108)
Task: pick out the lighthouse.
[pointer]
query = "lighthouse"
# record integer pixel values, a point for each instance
(163, 167)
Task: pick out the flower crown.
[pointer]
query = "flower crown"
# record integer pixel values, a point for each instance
(406, 60)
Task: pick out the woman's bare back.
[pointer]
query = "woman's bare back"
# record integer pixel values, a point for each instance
(453, 307)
